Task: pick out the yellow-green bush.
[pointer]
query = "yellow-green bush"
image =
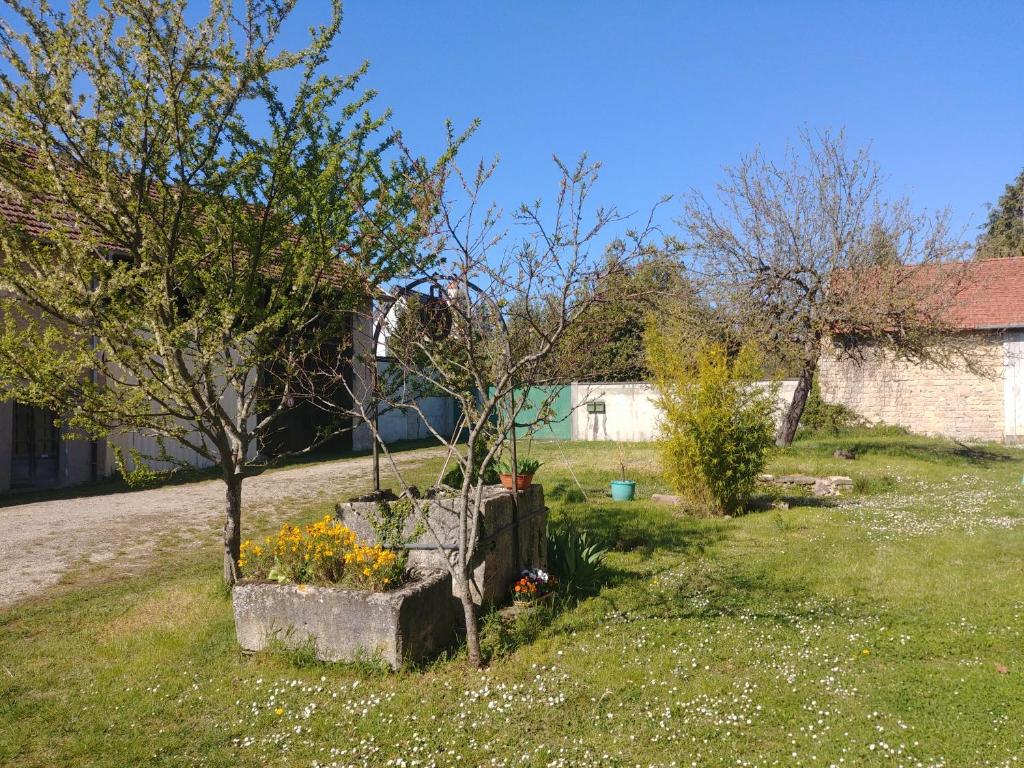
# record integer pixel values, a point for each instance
(717, 427)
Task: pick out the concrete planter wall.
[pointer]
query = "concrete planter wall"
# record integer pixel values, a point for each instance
(497, 565)
(412, 623)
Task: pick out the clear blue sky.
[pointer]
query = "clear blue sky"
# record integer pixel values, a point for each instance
(666, 93)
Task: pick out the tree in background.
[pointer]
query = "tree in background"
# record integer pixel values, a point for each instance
(172, 263)
(608, 343)
(1003, 233)
(716, 423)
(808, 254)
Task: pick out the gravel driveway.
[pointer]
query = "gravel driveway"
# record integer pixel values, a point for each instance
(45, 540)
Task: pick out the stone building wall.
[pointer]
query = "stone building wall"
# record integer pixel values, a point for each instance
(923, 398)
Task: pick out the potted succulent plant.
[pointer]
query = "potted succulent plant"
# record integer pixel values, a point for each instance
(623, 489)
(526, 468)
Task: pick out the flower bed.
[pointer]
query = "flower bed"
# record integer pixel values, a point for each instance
(325, 552)
(321, 585)
(408, 624)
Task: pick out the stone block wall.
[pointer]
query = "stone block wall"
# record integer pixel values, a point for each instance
(496, 563)
(925, 399)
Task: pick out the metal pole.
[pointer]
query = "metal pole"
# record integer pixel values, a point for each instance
(376, 426)
(515, 487)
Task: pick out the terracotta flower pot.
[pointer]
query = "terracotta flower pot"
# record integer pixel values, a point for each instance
(522, 481)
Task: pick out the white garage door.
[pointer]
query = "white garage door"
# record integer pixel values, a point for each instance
(1013, 388)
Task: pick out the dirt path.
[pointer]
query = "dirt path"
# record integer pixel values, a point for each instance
(43, 541)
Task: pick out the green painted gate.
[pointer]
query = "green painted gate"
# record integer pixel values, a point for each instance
(557, 421)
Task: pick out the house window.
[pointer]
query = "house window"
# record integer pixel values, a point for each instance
(597, 407)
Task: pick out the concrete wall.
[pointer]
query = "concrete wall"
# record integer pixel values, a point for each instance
(396, 425)
(631, 413)
(148, 446)
(923, 398)
(496, 565)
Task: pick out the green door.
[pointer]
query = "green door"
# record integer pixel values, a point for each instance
(555, 423)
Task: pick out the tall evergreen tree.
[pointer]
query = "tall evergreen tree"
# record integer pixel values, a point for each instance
(1003, 233)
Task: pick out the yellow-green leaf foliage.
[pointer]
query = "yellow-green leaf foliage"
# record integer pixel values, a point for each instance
(717, 426)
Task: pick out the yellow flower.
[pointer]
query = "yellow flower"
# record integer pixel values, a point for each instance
(865, 652)
(279, 711)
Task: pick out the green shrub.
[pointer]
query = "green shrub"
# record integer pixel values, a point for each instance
(139, 475)
(824, 418)
(717, 427)
(576, 559)
(881, 429)
(454, 476)
(388, 522)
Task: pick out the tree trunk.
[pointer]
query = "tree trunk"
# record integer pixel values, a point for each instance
(232, 528)
(787, 429)
(472, 629)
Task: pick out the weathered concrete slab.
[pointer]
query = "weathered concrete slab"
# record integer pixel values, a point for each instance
(666, 498)
(832, 485)
(795, 480)
(497, 566)
(412, 623)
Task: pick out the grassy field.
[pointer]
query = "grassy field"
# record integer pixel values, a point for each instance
(880, 629)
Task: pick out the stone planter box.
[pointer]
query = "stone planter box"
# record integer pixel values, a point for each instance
(408, 624)
(497, 566)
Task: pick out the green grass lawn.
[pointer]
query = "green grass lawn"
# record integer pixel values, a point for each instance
(880, 629)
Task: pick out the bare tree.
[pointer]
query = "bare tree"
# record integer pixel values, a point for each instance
(809, 254)
(500, 306)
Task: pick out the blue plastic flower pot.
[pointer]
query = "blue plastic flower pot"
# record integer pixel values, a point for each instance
(623, 490)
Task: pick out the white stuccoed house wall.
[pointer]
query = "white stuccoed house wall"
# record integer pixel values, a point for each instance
(630, 413)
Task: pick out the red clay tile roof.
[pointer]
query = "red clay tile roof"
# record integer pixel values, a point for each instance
(986, 294)
(993, 296)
